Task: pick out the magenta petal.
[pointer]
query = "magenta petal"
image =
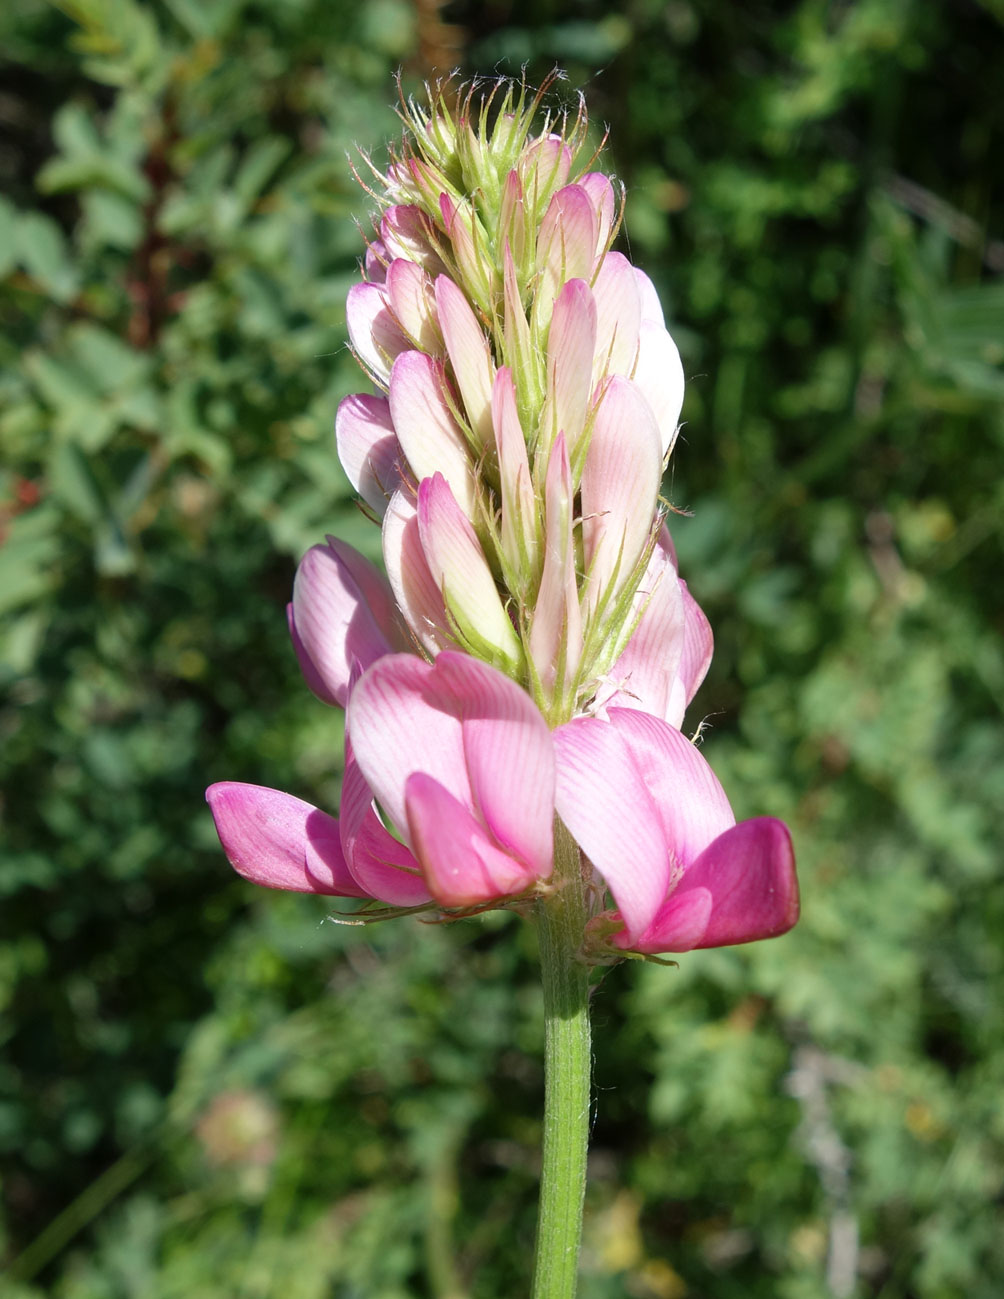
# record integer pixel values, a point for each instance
(379, 863)
(750, 873)
(510, 758)
(280, 841)
(342, 614)
(679, 926)
(462, 865)
(603, 800)
(692, 804)
(401, 720)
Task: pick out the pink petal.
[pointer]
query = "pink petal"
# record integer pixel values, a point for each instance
(315, 682)
(692, 805)
(664, 541)
(749, 874)
(544, 166)
(462, 865)
(428, 433)
(512, 226)
(409, 291)
(461, 572)
(373, 331)
(571, 342)
(381, 865)
(566, 246)
(603, 800)
(651, 307)
(647, 669)
(679, 926)
(659, 374)
(620, 487)
(557, 619)
(280, 841)
(368, 448)
(469, 246)
(519, 512)
(618, 316)
(376, 262)
(416, 591)
(510, 758)
(698, 647)
(407, 232)
(601, 195)
(400, 720)
(473, 732)
(343, 614)
(469, 355)
(524, 359)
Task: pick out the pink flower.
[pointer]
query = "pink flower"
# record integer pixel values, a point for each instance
(669, 652)
(648, 812)
(280, 841)
(368, 449)
(342, 618)
(530, 398)
(468, 777)
(461, 764)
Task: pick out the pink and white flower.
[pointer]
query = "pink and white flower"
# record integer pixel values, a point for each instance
(648, 812)
(532, 649)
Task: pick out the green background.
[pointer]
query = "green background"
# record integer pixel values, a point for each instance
(208, 1090)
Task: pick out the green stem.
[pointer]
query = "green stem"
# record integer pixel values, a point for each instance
(561, 923)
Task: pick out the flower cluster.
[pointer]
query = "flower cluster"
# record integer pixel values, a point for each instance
(532, 648)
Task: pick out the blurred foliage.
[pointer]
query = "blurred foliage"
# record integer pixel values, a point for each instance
(210, 1090)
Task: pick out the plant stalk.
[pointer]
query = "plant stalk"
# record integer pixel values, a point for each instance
(561, 921)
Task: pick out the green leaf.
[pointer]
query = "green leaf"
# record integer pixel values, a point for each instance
(111, 219)
(74, 130)
(8, 225)
(20, 641)
(109, 362)
(257, 167)
(72, 481)
(28, 556)
(43, 253)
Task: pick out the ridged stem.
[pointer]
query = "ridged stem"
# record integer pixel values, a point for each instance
(561, 920)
